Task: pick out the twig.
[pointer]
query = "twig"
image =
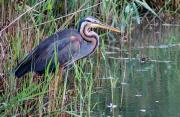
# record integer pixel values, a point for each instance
(177, 25)
(2, 51)
(64, 16)
(20, 16)
(72, 15)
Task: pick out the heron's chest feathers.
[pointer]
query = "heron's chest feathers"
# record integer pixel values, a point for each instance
(75, 41)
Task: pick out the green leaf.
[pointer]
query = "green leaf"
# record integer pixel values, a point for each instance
(136, 12)
(145, 5)
(49, 7)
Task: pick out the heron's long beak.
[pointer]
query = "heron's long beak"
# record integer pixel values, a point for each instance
(104, 26)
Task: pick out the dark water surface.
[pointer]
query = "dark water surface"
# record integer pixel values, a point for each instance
(141, 79)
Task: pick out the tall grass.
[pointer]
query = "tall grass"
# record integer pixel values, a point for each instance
(24, 24)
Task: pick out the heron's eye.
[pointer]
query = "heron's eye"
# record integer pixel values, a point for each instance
(96, 21)
(88, 20)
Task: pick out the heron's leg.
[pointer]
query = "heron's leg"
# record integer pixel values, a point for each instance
(57, 80)
(53, 90)
(51, 106)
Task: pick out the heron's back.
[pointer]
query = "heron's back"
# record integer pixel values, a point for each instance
(56, 49)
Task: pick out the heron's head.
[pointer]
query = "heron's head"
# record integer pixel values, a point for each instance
(92, 22)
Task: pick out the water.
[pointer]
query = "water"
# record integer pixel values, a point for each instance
(141, 79)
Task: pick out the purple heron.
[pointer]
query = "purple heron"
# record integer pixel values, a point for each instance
(67, 46)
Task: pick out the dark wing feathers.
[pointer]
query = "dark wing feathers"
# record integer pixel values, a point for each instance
(40, 57)
(48, 55)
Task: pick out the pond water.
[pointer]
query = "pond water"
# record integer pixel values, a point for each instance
(141, 78)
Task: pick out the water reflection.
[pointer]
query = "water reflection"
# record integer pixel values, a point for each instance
(146, 75)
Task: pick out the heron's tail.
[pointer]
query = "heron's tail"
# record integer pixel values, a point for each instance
(22, 69)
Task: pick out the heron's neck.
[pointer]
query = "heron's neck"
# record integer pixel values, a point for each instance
(88, 35)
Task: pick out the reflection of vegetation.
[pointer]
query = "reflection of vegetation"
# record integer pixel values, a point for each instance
(100, 80)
